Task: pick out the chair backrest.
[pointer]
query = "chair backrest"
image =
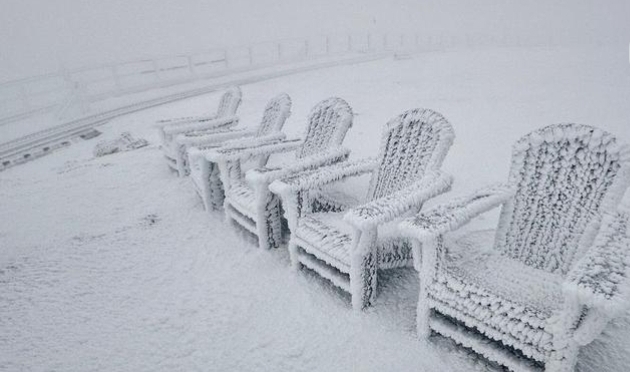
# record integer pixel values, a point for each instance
(230, 101)
(328, 123)
(276, 113)
(565, 175)
(412, 143)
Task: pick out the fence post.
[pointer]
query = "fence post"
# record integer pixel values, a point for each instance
(225, 58)
(305, 48)
(279, 51)
(384, 41)
(327, 45)
(369, 42)
(349, 43)
(251, 55)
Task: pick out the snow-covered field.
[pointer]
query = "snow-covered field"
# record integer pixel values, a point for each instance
(111, 264)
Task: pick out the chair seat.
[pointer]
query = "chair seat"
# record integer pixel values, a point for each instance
(328, 237)
(497, 294)
(241, 196)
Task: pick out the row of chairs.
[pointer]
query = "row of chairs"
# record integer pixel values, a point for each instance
(526, 295)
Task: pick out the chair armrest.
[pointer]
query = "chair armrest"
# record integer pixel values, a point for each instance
(601, 278)
(253, 140)
(395, 205)
(203, 125)
(216, 137)
(268, 175)
(322, 176)
(233, 153)
(183, 120)
(451, 216)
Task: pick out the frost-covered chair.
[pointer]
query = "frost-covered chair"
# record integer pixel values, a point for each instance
(529, 294)
(248, 201)
(204, 174)
(347, 245)
(221, 122)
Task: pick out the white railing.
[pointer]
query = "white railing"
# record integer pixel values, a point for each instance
(58, 92)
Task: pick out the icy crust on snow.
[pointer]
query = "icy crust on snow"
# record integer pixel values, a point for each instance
(405, 175)
(327, 126)
(565, 175)
(517, 290)
(205, 173)
(125, 142)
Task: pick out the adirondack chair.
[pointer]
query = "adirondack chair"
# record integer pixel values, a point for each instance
(248, 201)
(205, 174)
(221, 122)
(529, 294)
(347, 245)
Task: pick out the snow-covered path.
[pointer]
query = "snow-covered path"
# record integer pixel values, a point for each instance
(110, 264)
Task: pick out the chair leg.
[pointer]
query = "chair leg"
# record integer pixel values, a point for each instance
(424, 261)
(293, 255)
(423, 311)
(268, 221)
(363, 271)
(182, 165)
(215, 194)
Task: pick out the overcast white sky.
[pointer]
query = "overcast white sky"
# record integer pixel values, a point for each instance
(38, 36)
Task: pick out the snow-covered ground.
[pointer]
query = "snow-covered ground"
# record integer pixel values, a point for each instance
(111, 264)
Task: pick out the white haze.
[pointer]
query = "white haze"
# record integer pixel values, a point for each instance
(38, 36)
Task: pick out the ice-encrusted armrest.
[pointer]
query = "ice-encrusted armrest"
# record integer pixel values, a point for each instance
(217, 135)
(268, 175)
(451, 216)
(204, 125)
(322, 176)
(395, 205)
(601, 278)
(254, 141)
(184, 120)
(233, 153)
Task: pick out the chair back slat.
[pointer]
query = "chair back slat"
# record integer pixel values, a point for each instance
(413, 142)
(276, 113)
(565, 176)
(328, 124)
(229, 102)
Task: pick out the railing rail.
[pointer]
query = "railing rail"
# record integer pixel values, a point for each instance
(50, 92)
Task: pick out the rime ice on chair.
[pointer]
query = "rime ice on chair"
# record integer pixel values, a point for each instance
(348, 245)
(556, 269)
(220, 122)
(205, 174)
(248, 201)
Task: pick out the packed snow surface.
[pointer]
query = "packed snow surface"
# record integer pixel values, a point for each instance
(111, 264)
